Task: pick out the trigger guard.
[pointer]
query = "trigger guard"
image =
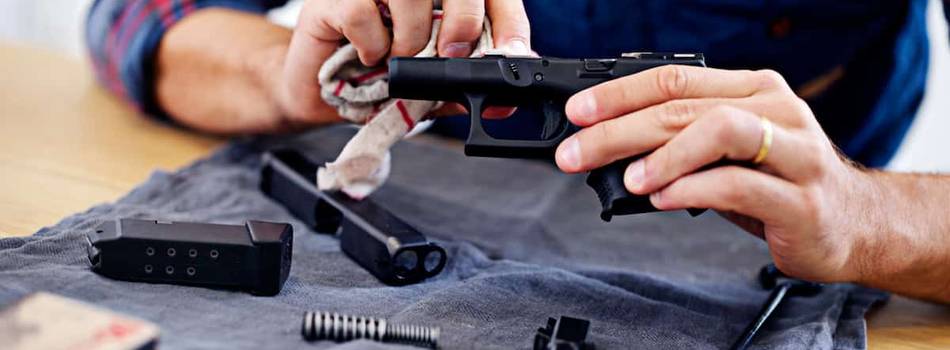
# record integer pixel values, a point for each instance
(481, 144)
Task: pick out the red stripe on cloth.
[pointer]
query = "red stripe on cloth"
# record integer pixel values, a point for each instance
(436, 16)
(114, 31)
(339, 88)
(126, 39)
(123, 32)
(132, 29)
(188, 6)
(405, 115)
(166, 10)
(376, 108)
(112, 56)
(370, 75)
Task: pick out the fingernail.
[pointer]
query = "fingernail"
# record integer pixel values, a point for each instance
(518, 47)
(655, 199)
(583, 105)
(570, 155)
(457, 49)
(635, 175)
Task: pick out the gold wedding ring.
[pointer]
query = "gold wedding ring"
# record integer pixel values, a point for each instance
(766, 145)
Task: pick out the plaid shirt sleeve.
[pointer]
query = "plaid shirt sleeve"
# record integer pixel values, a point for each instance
(123, 35)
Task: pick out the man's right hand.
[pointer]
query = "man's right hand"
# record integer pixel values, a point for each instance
(323, 24)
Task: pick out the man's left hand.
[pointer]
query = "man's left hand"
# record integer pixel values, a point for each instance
(803, 198)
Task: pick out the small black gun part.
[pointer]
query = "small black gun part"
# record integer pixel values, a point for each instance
(387, 247)
(341, 328)
(255, 257)
(566, 333)
(518, 81)
(782, 287)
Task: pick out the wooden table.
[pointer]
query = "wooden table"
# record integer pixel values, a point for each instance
(66, 144)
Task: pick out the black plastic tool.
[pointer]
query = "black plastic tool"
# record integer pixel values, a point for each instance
(255, 257)
(782, 287)
(380, 242)
(565, 333)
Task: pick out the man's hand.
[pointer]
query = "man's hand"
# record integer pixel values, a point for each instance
(811, 206)
(323, 24)
(230, 72)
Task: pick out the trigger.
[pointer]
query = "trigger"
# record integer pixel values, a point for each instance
(554, 119)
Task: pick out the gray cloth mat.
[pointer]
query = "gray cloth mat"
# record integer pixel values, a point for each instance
(524, 241)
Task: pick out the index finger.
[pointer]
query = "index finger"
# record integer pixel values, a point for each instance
(311, 44)
(412, 25)
(510, 26)
(461, 26)
(662, 84)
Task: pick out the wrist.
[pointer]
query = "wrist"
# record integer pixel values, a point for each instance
(265, 67)
(869, 224)
(905, 248)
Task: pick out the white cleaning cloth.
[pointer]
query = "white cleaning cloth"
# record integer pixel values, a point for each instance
(361, 95)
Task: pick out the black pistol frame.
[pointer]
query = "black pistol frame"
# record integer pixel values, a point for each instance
(512, 81)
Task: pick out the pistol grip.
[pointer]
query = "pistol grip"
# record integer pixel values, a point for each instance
(607, 182)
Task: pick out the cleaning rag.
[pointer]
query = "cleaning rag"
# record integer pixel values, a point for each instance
(361, 95)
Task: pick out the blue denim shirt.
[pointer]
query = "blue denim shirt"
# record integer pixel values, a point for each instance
(872, 55)
(860, 64)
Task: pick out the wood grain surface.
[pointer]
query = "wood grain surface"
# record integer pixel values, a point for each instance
(67, 145)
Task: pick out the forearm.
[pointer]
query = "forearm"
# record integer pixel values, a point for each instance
(217, 70)
(910, 252)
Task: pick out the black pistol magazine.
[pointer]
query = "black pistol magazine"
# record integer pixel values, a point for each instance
(255, 257)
